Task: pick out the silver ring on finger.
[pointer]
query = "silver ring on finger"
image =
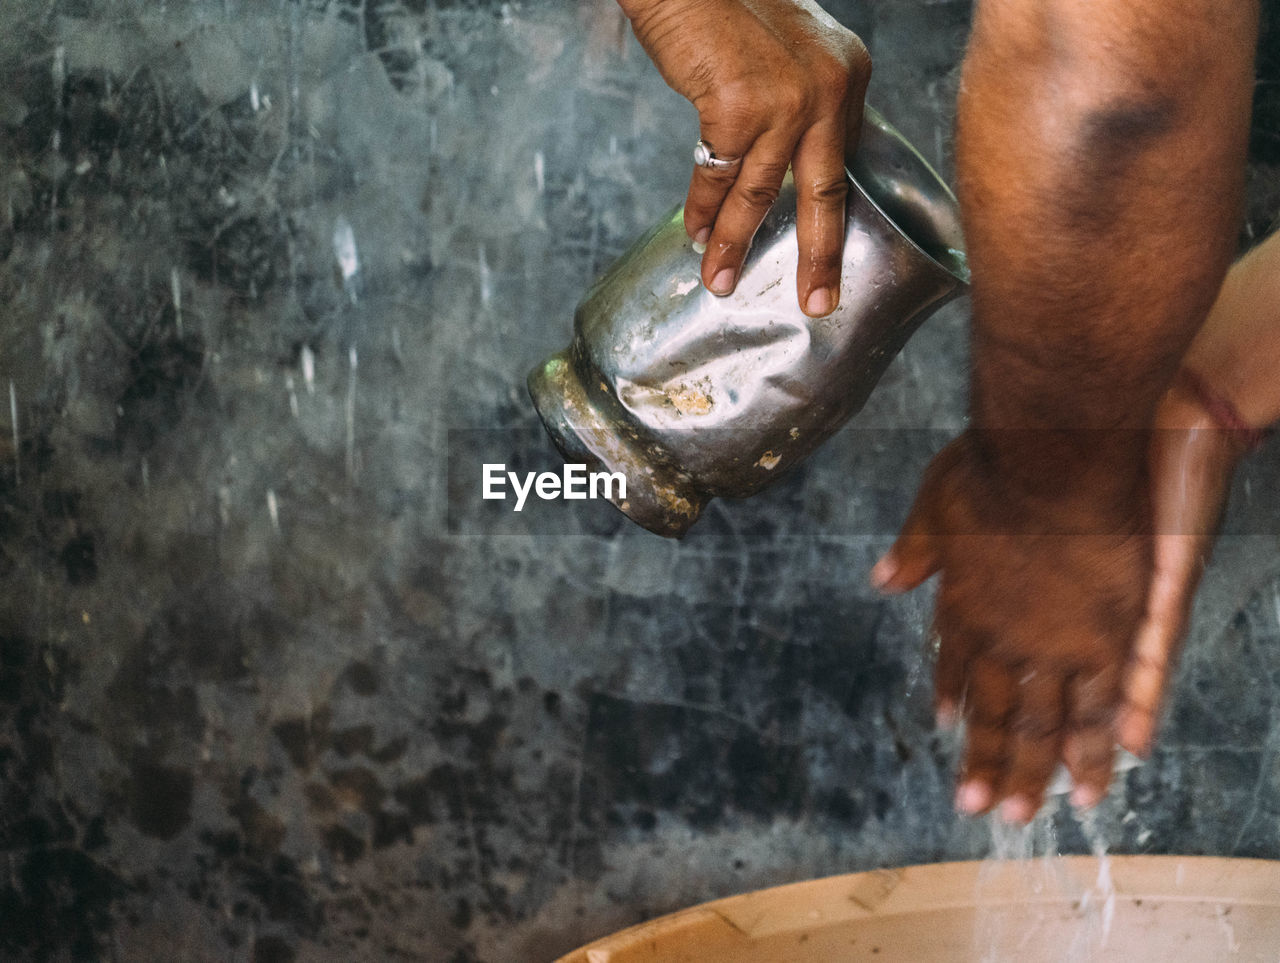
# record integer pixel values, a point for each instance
(704, 156)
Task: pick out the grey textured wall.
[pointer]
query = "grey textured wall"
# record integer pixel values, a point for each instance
(273, 687)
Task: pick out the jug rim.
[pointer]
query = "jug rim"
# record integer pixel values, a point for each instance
(950, 257)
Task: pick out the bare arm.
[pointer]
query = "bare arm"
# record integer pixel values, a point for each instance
(1100, 153)
(1238, 350)
(1194, 454)
(1101, 150)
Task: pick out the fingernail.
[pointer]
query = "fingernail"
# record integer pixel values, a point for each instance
(882, 573)
(1131, 735)
(819, 303)
(946, 716)
(722, 283)
(1017, 809)
(1085, 797)
(699, 247)
(702, 237)
(973, 797)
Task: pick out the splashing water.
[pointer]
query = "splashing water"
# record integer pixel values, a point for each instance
(175, 289)
(273, 510)
(308, 359)
(486, 277)
(17, 441)
(1002, 933)
(353, 362)
(1010, 928)
(59, 71)
(345, 253)
(960, 260)
(1097, 905)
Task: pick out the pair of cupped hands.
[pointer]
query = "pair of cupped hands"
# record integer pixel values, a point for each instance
(1055, 640)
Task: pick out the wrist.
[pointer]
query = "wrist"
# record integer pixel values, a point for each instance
(1055, 481)
(1214, 410)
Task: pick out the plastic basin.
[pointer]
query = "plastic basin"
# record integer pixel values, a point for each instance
(1129, 908)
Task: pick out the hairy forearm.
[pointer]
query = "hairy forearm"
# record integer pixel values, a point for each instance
(1100, 155)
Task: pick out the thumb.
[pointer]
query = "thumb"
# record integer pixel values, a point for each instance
(911, 560)
(1179, 560)
(1145, 683)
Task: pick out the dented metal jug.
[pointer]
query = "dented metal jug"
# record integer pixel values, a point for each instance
(693, 396)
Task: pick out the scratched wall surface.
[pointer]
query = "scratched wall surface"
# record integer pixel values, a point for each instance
(272, 687)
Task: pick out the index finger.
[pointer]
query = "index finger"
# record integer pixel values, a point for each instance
(1179, 559)
(822, 187)
(745, 206)
(1144, 685)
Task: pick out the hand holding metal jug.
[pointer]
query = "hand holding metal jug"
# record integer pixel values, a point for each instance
(693, 396)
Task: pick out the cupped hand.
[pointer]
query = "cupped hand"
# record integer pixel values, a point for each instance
(1192, 460)
(1230, 367)
(775, 83)
(1037, 606)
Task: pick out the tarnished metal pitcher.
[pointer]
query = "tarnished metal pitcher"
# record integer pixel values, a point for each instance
(691, 396)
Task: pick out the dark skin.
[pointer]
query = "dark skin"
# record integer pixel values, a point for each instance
(776, 83)
(1100, 154)
(1034, 686)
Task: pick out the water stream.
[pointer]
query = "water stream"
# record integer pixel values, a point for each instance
(1024, 867)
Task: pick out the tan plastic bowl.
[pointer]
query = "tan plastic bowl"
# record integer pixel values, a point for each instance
(1162, 908)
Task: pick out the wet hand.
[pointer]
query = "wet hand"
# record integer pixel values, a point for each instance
(775, 83)
(1192, 461)
(1036, 609)
(1193, 455)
